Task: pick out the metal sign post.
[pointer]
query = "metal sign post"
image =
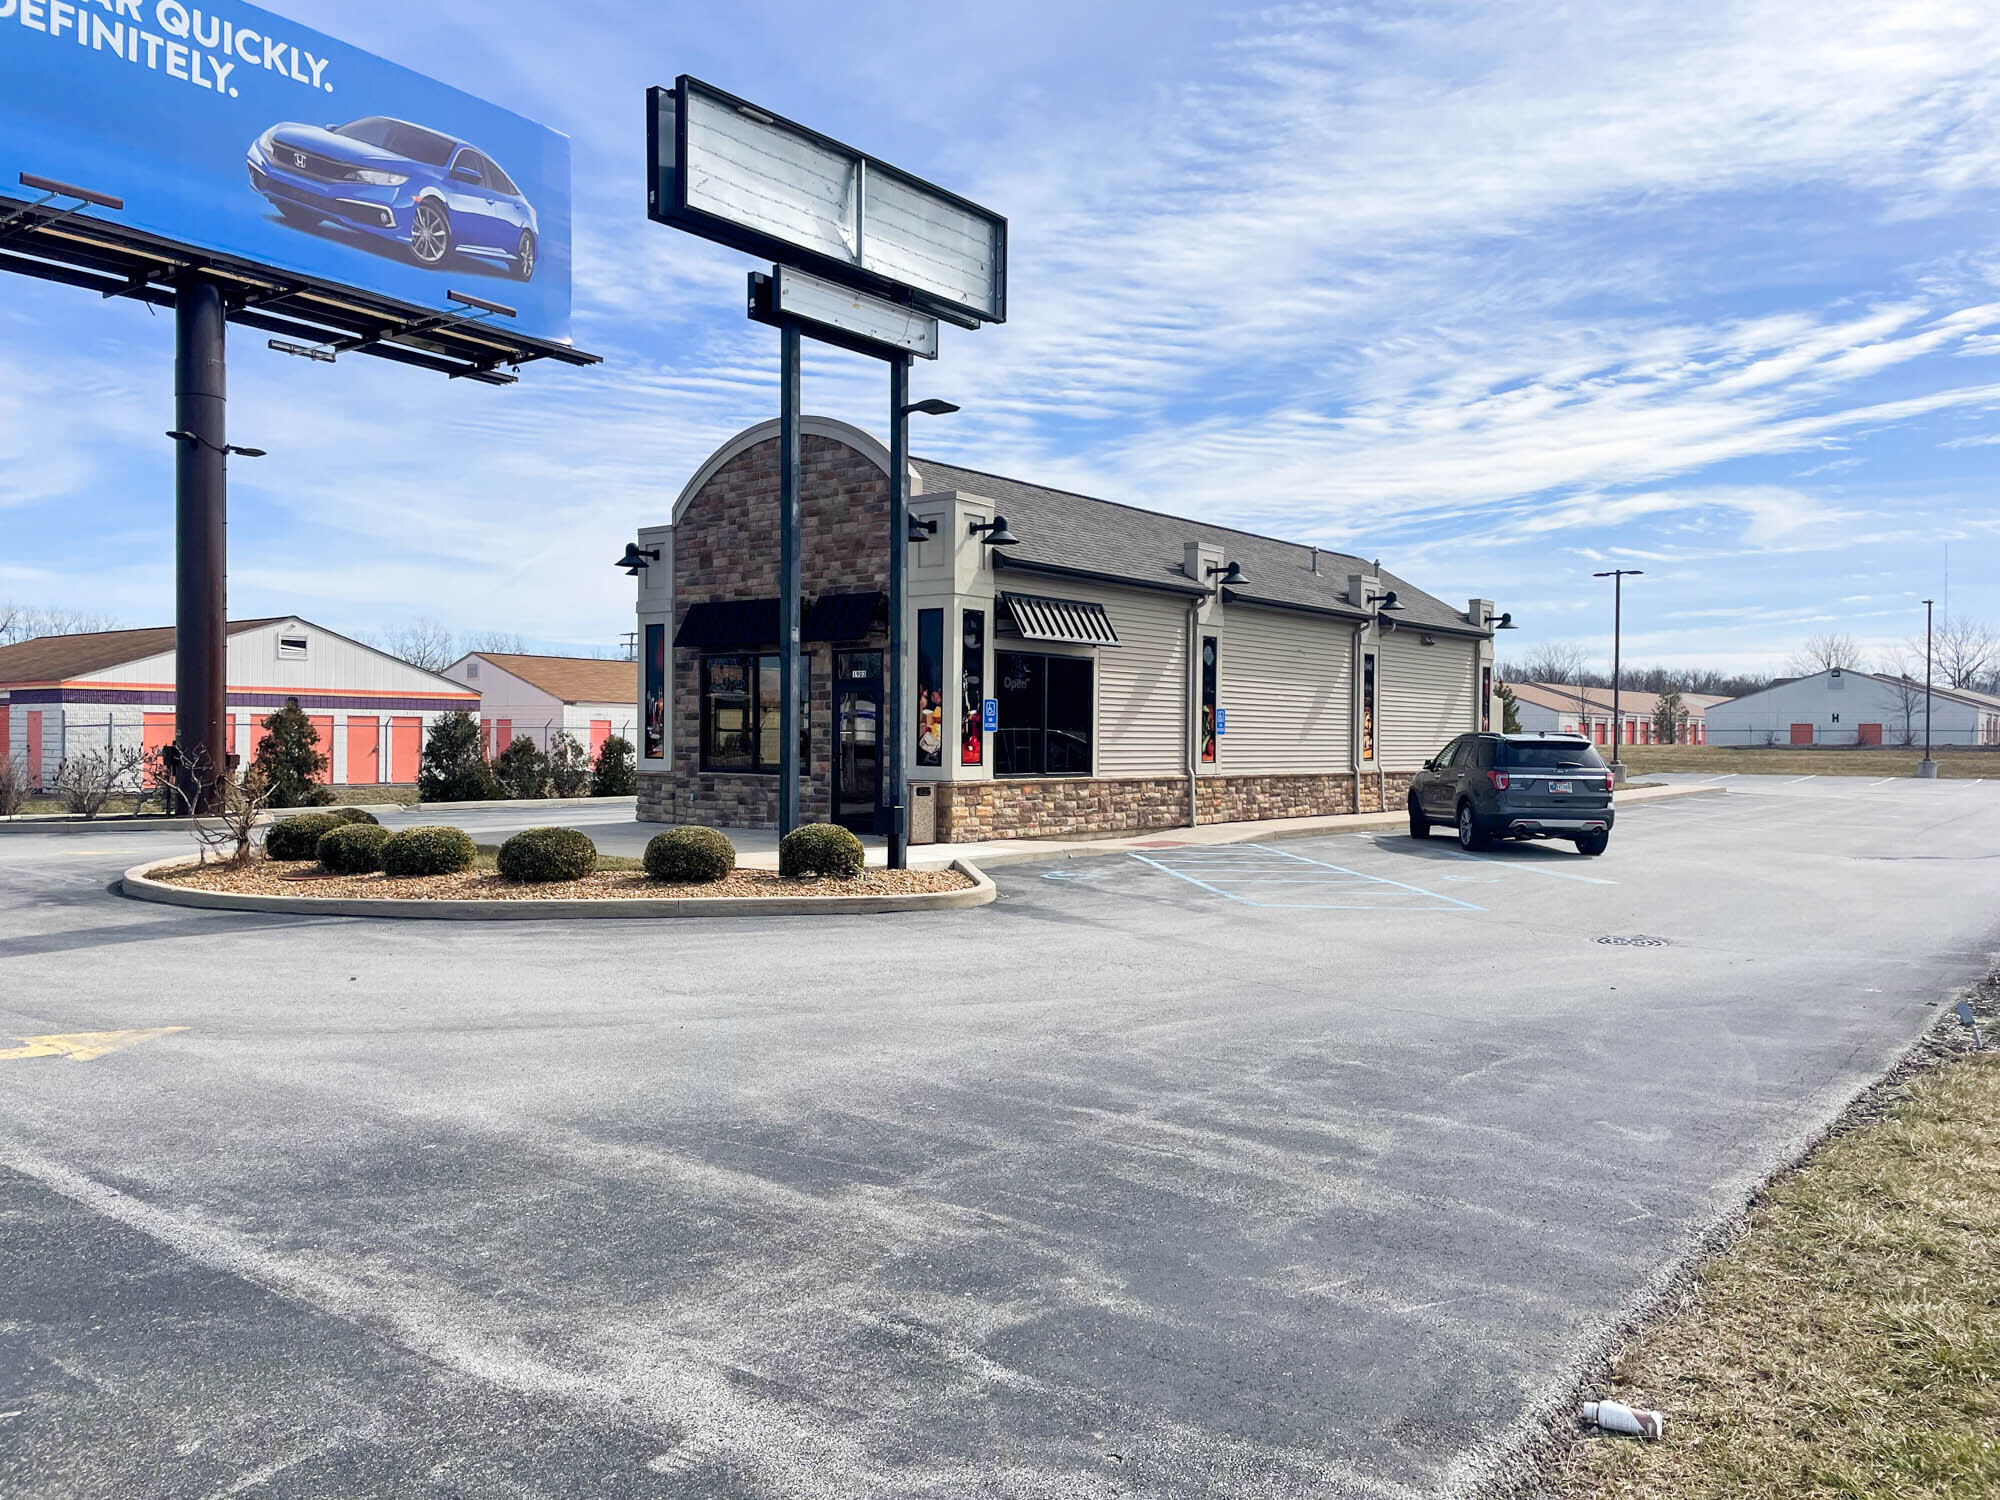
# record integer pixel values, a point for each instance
(788, 578)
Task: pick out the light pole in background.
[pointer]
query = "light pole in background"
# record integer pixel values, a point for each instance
(895, 784)
(1618, 577)
(1927, 768)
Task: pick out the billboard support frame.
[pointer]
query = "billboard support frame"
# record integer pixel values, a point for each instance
(206, 292)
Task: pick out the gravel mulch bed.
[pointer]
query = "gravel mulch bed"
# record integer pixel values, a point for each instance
(298, 878)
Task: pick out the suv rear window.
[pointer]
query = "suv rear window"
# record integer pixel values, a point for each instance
(1556, 756)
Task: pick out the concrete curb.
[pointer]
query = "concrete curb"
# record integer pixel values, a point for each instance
(124, 823)
(138, 884)
(509, 804)
(1269, 832)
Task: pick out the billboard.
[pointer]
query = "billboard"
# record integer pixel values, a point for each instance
(230, 129)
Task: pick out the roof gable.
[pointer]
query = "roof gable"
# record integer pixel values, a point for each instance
(58, 658)
(571, 679)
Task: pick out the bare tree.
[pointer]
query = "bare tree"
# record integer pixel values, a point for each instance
(1558, 664)
(1963, 650)
(421, 642)
(229, 833)
(1906, 691)
(1824, 653)
(19, 622)
(501, 642)
(13, 785)
(85, 782)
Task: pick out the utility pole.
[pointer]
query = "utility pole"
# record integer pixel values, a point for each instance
(1618, 577)
(1927, 768)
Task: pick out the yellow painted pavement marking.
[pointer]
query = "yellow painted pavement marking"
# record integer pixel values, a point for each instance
(82, 1046)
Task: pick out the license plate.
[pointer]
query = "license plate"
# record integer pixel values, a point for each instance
(1562, 788)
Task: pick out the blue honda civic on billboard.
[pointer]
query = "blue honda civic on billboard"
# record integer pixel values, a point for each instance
(431, 193)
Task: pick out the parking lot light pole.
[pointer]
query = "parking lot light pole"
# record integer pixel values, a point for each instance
(1927, 768)
(1618, 577)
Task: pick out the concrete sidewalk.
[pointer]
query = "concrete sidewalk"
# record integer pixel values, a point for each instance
(757, 848)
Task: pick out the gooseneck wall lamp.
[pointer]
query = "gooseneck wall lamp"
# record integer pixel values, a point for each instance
(922, 528)
(1231, 574)
(1505, 622)
(995, 532)
(637, 558)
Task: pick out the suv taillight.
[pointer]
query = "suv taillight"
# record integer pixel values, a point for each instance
(1499, 780)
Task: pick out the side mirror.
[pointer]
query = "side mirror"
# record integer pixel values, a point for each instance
(1430, 765)
(465, 174)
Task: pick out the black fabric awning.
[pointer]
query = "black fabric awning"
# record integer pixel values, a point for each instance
(844, 617)
(1069, 622)
(718, 624)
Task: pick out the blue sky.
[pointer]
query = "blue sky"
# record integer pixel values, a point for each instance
(1502, 294)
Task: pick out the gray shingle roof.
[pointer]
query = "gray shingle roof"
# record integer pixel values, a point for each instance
(1064, 530)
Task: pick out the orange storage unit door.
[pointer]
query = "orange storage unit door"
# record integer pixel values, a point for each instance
(503, 734)
(600, 731)
(364, 750)
(323, 727)
(35, 749)
(1802, 734)
(156, 732)
(406, 748)
(1868, 734)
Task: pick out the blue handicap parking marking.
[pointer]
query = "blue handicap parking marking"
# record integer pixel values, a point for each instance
(1259, 875)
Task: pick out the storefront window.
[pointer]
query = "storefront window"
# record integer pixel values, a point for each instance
(972, 694)
(1368, 706)
(741, 718)
(1208, 670)
(1046, 713)
(930, 687)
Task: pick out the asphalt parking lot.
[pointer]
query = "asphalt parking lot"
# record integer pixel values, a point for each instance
(1303, 1168)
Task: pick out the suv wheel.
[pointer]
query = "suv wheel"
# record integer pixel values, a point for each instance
(1420, 826)
(1593, 843)
(1469, 834)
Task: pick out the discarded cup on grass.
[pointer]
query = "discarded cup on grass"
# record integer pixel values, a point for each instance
(1615, 1417)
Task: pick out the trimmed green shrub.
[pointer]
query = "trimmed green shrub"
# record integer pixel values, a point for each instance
(353, 848)
(298, 837)
(355, 815)
(569, 766)
(522, 770)
(453, 770)
(820, 849)
(690, 856)
(290, 758)
(614, 774)
(428, 851)
(537, 856)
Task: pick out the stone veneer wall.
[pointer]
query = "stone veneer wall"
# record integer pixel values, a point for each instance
(1046, 807)
(726, 547)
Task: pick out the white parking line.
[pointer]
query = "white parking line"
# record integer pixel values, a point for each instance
(1724, 777)
(1795, 783)
(1526, 866)
(1885, 781)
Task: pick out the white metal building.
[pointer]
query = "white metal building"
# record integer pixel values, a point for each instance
(539, 697)
(64, 694)
(1855, 708)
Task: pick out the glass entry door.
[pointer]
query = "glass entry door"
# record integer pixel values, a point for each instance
(857, 739)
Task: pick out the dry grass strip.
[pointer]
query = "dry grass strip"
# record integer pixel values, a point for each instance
(1848, 1344)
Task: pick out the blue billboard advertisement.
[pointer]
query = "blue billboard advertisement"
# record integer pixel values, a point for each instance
(228, 128)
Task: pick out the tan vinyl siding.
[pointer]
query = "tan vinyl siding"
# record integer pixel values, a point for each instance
(1424, 695)
(1140, 692)
(1287, 689)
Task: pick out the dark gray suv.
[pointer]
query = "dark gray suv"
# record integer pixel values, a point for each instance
(1515, 786)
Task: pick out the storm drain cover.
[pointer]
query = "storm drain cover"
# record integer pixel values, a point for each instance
(1638, 940)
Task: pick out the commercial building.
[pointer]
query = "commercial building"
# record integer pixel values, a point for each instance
(1105, 672)
(1558, 706)
(1849, 707)
(61, 695)
(539, 697)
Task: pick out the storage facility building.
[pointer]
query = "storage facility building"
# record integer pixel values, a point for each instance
(61, 695)
(1558, 706)
(1849, 707)
(539, 697)
(1104, 673)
